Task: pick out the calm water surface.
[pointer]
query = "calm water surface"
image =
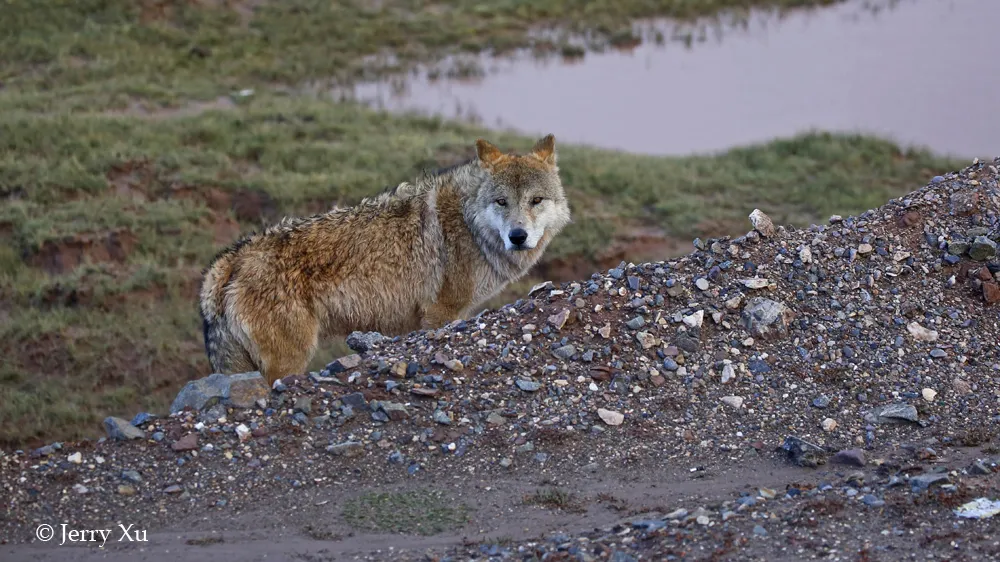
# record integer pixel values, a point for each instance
(923, 72)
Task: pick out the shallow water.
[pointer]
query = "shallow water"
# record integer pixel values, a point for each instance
(921, 72)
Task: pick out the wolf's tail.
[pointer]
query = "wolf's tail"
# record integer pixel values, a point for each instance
(212, 308)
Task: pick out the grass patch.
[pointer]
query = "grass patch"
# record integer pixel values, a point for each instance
(556, 498)
(422, 512)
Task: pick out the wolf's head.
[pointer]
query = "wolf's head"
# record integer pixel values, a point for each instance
(523, 199)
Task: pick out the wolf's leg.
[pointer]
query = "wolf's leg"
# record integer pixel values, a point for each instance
(287, 344)
(439, 314)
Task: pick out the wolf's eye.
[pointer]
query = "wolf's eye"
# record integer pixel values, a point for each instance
(502, 202)
(536, 200)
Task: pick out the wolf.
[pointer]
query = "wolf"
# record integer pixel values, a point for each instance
(417, 256)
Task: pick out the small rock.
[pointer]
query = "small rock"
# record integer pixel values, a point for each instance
(755, 283)
(733, 401)
(346, 449)
(454, 365)
(938, 353)
(728, 373)
(702, 284)
(694, 320)
(929, 394)
(961, 387)
(766, 318)
(122, 430)
(173, 489)
(355, 400)
(441, 417)
(558, 320)
(126, 490)
(762, 224)
(920, 333)
(202, 394)
(363, 341)
(850, 457)
(243, 432)
(982, 248)
(610, 417)
(829, 424)
(303, 404)
(564, 352)
(636, 323)
(894, 412)
(872, 501)
(132, 476)
(75, 458)
(804, 453)
(245, 389)
(922, 482)
(528, 385)
(646, 340)
(344, 364)
(991, 293)
(187, 443)
(822, 402)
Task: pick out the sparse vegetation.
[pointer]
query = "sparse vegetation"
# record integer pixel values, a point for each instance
(420, 511)
(556, 498)
(122, 171)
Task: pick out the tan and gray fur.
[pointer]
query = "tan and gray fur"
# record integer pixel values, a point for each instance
(417, 256)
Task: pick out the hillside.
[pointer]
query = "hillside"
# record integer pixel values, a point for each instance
(787, 394)
(138, 138)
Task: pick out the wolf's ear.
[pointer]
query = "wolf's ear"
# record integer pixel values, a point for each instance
(545, 149)
(487, 153)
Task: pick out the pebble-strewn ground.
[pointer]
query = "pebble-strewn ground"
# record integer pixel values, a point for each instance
(791, 394)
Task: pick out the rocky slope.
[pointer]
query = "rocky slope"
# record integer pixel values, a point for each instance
(825, 392)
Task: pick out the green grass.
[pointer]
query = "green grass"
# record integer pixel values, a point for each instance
(90, 329)
(422, 511)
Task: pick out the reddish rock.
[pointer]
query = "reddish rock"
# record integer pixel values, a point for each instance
(187, 443)
(991, 293)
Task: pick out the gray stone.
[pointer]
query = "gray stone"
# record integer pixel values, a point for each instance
(355, 400)
(132, 476)
(202, 394)
(766, 318)
(303, 404)
(345, 363)
(636, 323)
(364, 341)
(895, 413)
(958, 247)
(804, 453)
(564, 352)
(122, 430)
(850, 457)
(528, 386)
(982, 249)
(922, 482)
(346, 449)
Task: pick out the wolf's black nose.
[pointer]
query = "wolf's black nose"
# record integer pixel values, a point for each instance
(518, 236)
